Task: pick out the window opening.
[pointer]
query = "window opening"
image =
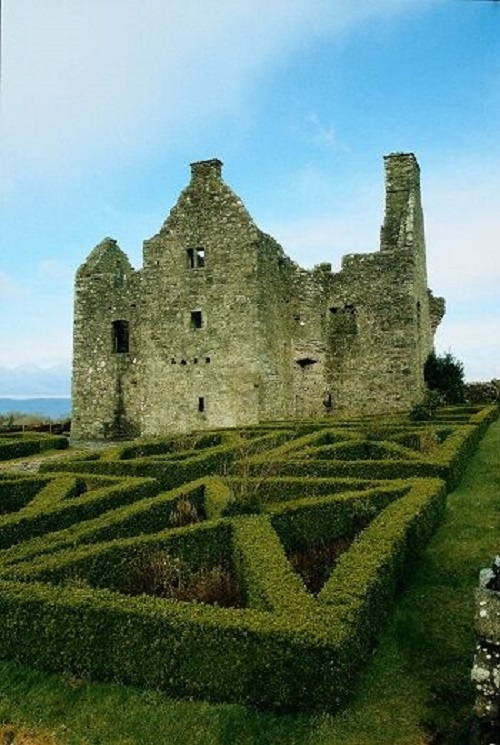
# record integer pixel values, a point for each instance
(183, 362)
(196, 319)
(201, 404)
(305, 362)
(196, 257)
(207, 360)
(195, 361)
(172, 361)
(120, 337)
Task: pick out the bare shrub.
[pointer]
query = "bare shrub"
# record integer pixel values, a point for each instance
(161, 575)
(185, 513)
(427, 440)
(315, 563)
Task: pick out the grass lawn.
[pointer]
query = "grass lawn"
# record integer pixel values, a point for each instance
(415, 691)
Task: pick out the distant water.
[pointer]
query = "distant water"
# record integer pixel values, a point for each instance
(49, 408)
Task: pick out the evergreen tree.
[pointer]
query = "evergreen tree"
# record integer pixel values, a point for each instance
(445, 374)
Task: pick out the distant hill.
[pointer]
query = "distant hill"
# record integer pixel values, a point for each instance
(34, 381)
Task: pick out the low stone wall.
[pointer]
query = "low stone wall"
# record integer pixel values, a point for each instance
(486, 667)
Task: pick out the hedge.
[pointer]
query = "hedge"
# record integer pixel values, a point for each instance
(107, 564)
(361, 450)
(318, 521)
(174, 446)
(447, 461)
(63, 589)
(172, 473)
(305, 650)
(61, 503)
(361, 469)
(30, 444)
(16, 493)
(147, 514)
(288, 488)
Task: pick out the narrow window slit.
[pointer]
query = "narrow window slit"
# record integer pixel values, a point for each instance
(120, 332)
(196, 319)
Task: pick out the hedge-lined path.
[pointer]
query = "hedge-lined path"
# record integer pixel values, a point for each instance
(33, 463)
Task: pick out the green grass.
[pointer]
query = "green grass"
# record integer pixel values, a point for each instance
(415, 691)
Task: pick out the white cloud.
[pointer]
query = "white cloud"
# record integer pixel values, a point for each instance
(116, 73)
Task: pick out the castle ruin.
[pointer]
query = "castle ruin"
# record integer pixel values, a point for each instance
(220, 328)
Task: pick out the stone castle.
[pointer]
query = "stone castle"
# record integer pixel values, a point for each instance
(221, 329)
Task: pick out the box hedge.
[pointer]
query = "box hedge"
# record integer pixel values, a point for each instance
(70, 538)
(306, 650)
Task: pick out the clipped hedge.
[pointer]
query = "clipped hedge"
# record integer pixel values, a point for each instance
(317, 521)
(16, 493)
(107, 564)
(69, 549)
(30, 444)
(147, 514)
(447, 461)
(305, 650)
(172, 473)
(368, 575)
(64, 501)
(290, 488)
(268, 578)
(361, 469)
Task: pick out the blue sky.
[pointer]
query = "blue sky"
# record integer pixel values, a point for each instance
(106, 102)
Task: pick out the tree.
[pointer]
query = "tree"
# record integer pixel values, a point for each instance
(445, 374)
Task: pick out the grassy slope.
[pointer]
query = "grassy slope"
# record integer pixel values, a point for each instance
(416, 685)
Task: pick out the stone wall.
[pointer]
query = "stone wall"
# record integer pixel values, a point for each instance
(486, 668)
(220, 328)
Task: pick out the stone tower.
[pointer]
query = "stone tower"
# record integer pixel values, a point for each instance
(220, 328)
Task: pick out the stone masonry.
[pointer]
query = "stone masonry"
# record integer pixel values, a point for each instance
(486, 667)
(221, 329)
